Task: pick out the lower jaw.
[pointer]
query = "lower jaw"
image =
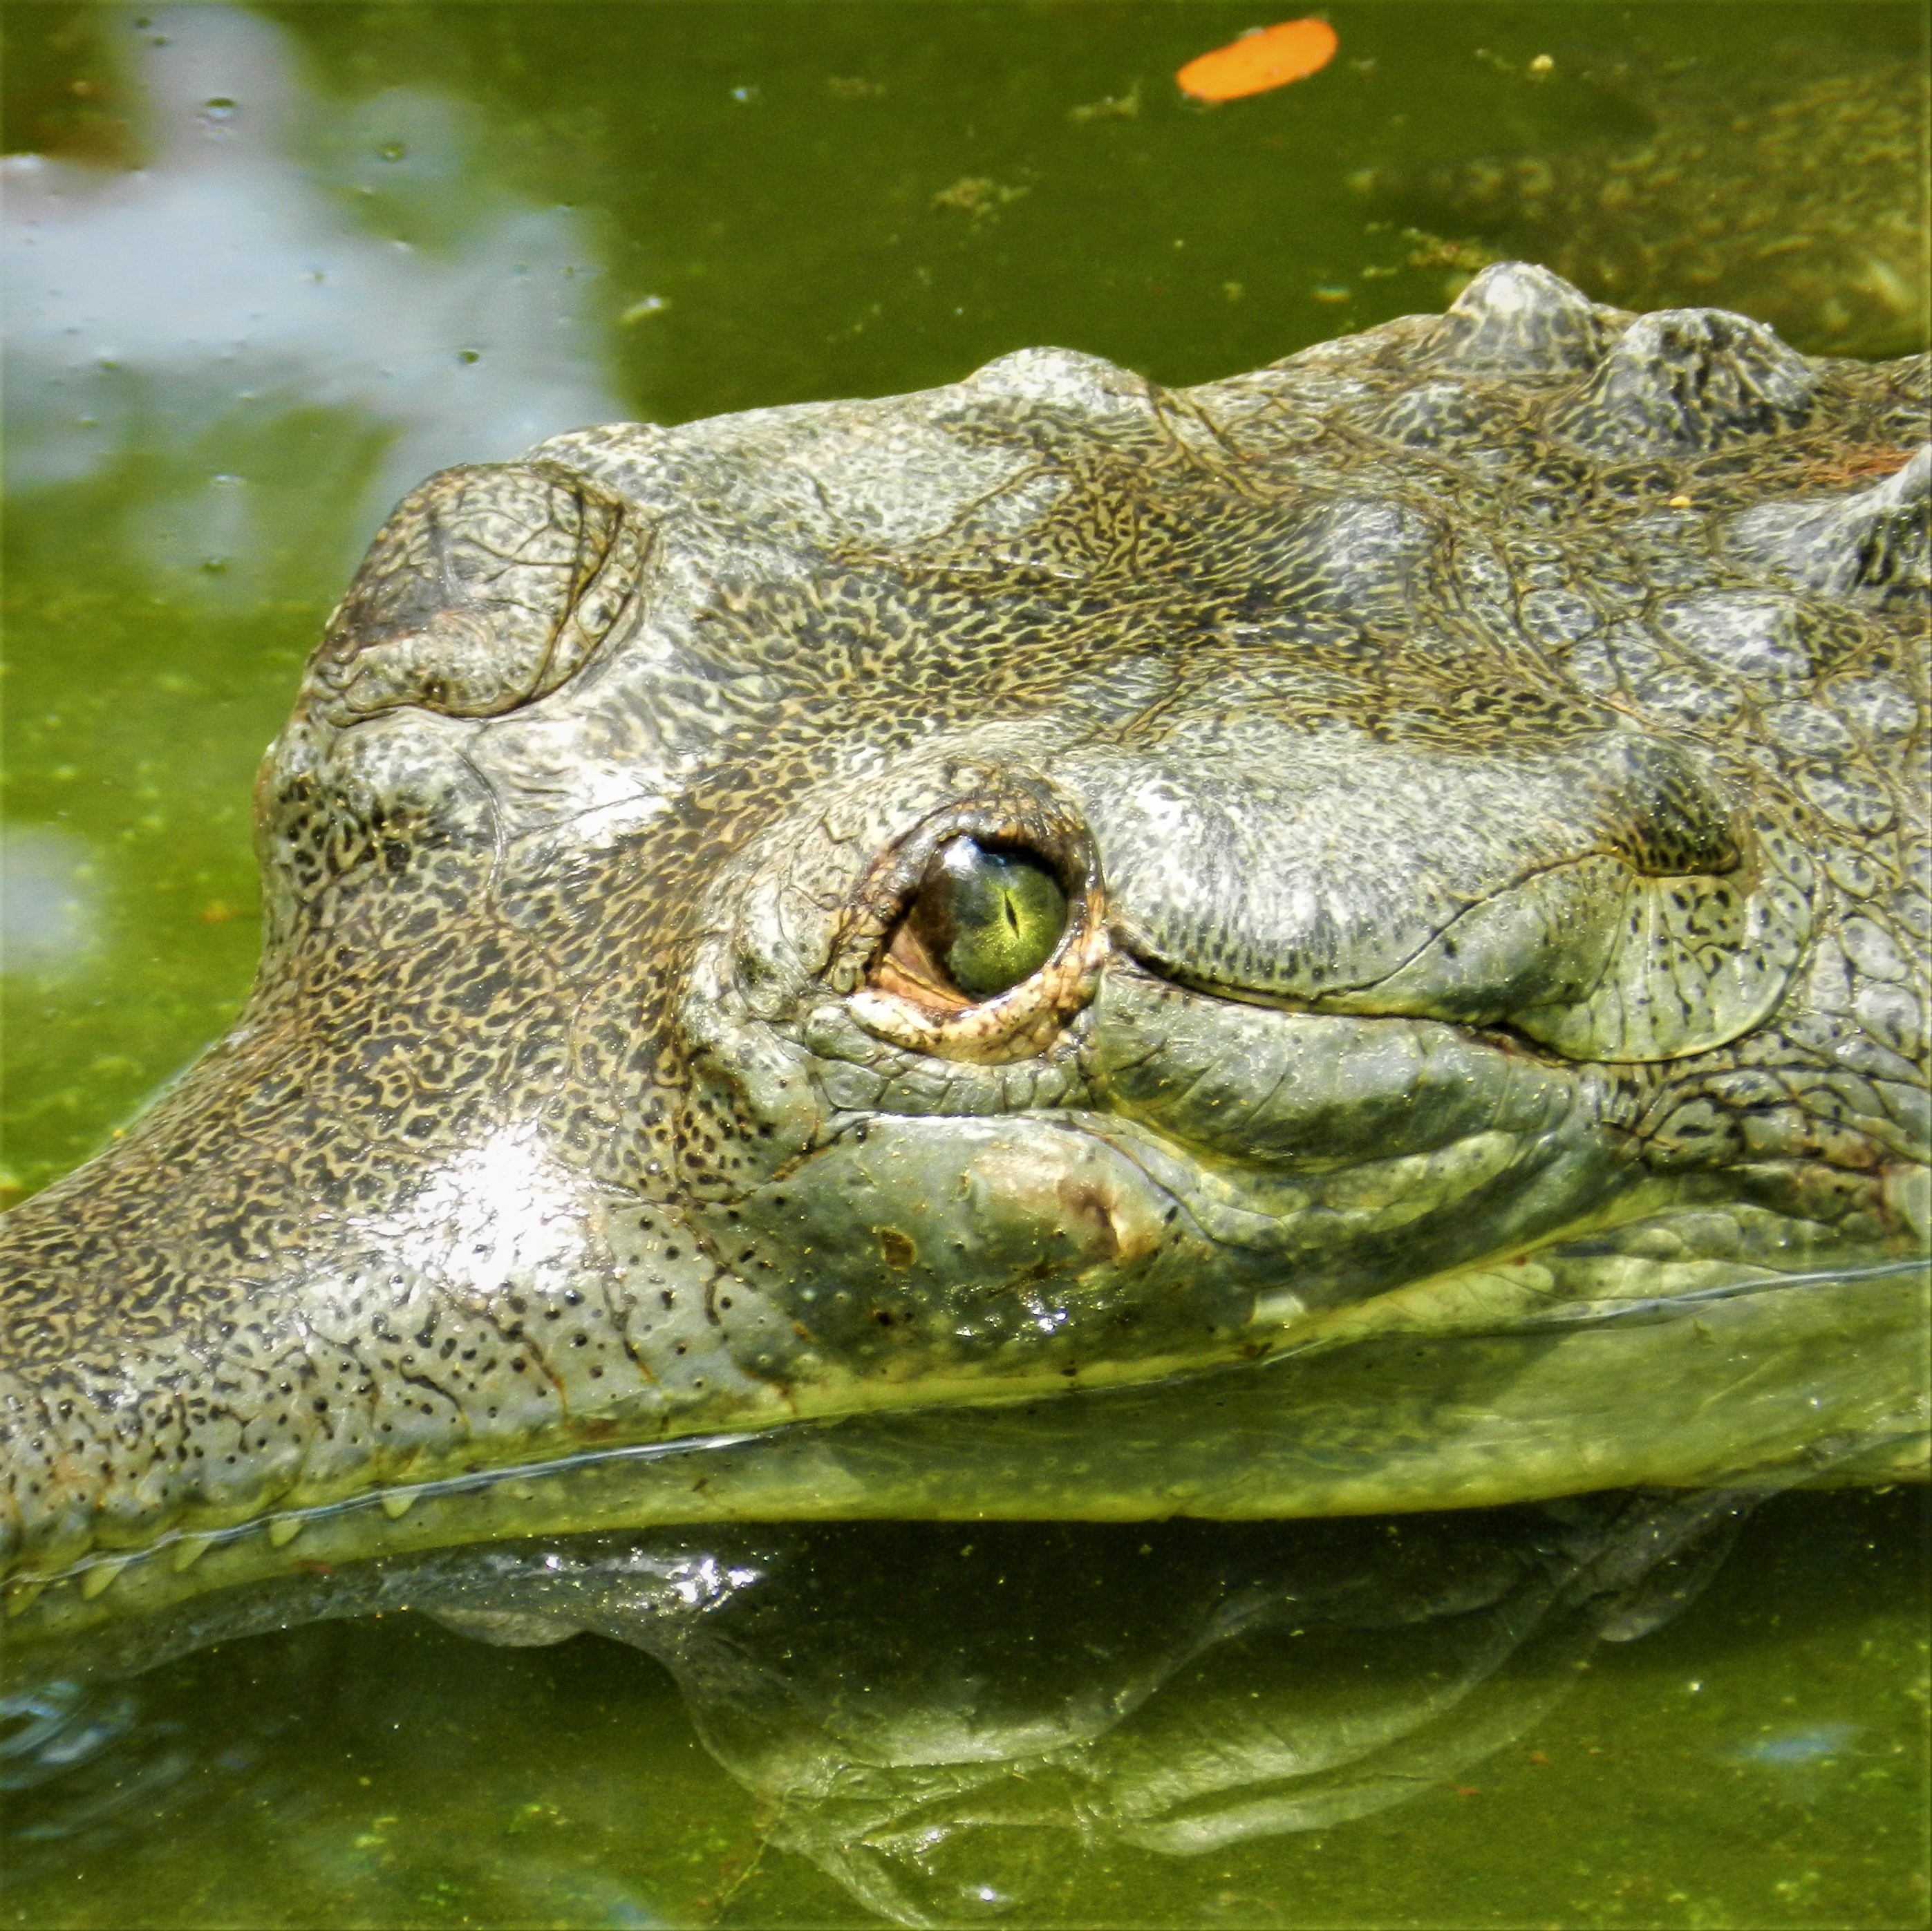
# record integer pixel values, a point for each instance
(1827, 1380)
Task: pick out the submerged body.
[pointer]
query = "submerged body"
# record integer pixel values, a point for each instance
(1350, 939)
(1796, 196)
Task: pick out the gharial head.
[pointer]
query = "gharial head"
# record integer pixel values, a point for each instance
(1351, 938)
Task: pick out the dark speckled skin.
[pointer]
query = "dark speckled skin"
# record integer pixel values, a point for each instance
(1487, 757)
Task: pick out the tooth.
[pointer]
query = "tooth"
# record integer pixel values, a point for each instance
(190, 1549)
(396, 1505)
(95, 1580)
(282, 1530)
(21, 1596)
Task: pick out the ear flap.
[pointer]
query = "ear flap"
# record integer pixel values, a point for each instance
(1688, 964)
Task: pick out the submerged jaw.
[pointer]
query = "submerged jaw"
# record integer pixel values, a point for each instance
(731, 1411)
(1821, 1380)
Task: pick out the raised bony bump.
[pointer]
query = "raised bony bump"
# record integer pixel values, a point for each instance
(1685, 381)
(1872, 544)
(1516, 319)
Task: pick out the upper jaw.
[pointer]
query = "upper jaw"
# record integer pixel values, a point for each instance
(496, 1302)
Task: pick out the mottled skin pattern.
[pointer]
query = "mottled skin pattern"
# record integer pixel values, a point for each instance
(1485, 757)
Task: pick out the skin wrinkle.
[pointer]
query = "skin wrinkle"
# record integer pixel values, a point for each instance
(826, 506)
(1511, 1074)
(973, 509)
(1179, 1103)
(1158, 1186)
(1168, 405)
(493, 802)
(1123, 1065)
(1435, 938)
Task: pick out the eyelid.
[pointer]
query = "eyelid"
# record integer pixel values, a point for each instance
(1015, 1024)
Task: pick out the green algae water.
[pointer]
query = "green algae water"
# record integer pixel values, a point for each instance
(268, 266)
(1758, 1762)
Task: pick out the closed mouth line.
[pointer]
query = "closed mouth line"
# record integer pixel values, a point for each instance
(468, 1482)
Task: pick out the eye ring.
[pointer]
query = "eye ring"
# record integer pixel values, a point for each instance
(1017, 853)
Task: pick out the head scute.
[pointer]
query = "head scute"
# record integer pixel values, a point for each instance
(1516, 319)
(1685, 382)
(1870, 543)
(487, 588)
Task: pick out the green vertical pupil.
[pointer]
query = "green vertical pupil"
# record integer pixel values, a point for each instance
(992, 917)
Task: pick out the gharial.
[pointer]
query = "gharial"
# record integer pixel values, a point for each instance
(1354, 938)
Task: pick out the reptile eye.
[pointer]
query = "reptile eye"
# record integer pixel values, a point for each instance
(979, 933)
(989, 918)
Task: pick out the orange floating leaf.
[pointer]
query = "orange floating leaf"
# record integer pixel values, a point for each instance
(1257, 61)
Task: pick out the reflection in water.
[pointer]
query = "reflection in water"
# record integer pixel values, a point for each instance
(1812, 1743)
(49, 894)
(348, 270)
(939, 1714)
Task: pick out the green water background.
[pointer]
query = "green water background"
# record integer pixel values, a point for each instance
(747, 205)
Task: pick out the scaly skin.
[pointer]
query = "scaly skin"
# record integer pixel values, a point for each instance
(1486, 760)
